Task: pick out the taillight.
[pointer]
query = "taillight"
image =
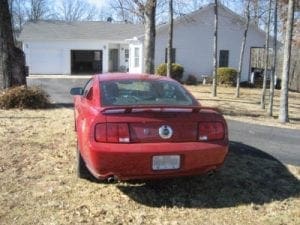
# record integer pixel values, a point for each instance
(112, 132)
(209, 131)
(100, 132)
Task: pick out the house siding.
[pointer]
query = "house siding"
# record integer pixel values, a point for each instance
(54, 57)
(193, 40)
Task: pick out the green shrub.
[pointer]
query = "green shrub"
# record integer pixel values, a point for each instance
(176, 71)
(191, 80)
(227, 75)
(24, 98)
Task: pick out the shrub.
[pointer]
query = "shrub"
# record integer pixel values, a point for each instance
(191, 80)
(226, 75)
(176, 71)
(24, 97)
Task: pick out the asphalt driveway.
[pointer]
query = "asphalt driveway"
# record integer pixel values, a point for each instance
(58, 88)
(283, 144)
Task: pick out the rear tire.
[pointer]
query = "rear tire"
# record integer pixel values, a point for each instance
(82, 170)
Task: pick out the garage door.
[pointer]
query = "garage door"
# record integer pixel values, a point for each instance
(86, 61)
(45, 61)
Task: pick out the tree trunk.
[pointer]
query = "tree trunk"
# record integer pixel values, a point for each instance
(12, 58)
(272, 80)
(149, 14)
(238, 79)
(263, 94)
(283, 111)
(215, 51)
(170, 41)
(256, 12)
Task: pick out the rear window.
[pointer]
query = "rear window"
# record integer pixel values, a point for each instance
(137, 92)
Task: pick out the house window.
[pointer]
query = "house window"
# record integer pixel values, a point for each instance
(173, 55)
(126, 53)
(136, 57)
(223, 58)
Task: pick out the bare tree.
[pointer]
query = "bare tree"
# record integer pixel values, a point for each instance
(75, 10)
(263, 94)
(24, 10)
(19, 14)
(148, 10)
(12, 58)
(187, 6)
(130, 11)
(37, 10)
(150, 33)
(127, 11)
(283, 111)
(145, 10)
(273, 72)
(215, 51)
(170, 41)
(237, 94)
(256, 12)
(122, 11)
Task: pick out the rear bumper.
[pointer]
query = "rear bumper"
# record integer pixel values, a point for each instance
(134, 161)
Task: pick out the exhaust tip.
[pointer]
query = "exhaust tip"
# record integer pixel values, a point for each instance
(211, 173)
(112, 179)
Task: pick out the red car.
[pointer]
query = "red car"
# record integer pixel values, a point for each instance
(138, 126)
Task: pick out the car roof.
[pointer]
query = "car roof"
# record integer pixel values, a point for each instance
(133, 76)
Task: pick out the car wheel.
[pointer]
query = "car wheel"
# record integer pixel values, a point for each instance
(82, 170)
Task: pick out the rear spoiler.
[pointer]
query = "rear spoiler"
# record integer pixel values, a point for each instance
(136, 109)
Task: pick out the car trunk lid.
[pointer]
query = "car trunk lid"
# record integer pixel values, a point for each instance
(160, 124)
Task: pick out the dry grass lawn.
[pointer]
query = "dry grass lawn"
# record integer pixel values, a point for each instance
(38, 184)
(247, 107)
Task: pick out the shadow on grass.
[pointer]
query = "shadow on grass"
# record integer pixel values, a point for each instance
(248, 176)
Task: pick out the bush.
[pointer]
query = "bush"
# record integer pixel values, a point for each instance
(191, 80)
(227, 76)
(176, 71)
(24, 98)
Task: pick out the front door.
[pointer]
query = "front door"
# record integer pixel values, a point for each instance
(113, 60)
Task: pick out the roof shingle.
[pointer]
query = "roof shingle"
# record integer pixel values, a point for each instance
(59, 30)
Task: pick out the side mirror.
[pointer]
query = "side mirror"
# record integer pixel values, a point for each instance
(76, 91)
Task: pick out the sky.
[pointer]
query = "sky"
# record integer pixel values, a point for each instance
(97, 3)
(234, 5)
(101, 5)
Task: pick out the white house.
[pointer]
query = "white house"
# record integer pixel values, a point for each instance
(90, 47)
(56, 47)
(193, 41)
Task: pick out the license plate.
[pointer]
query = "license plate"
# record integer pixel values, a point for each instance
(166, 162)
